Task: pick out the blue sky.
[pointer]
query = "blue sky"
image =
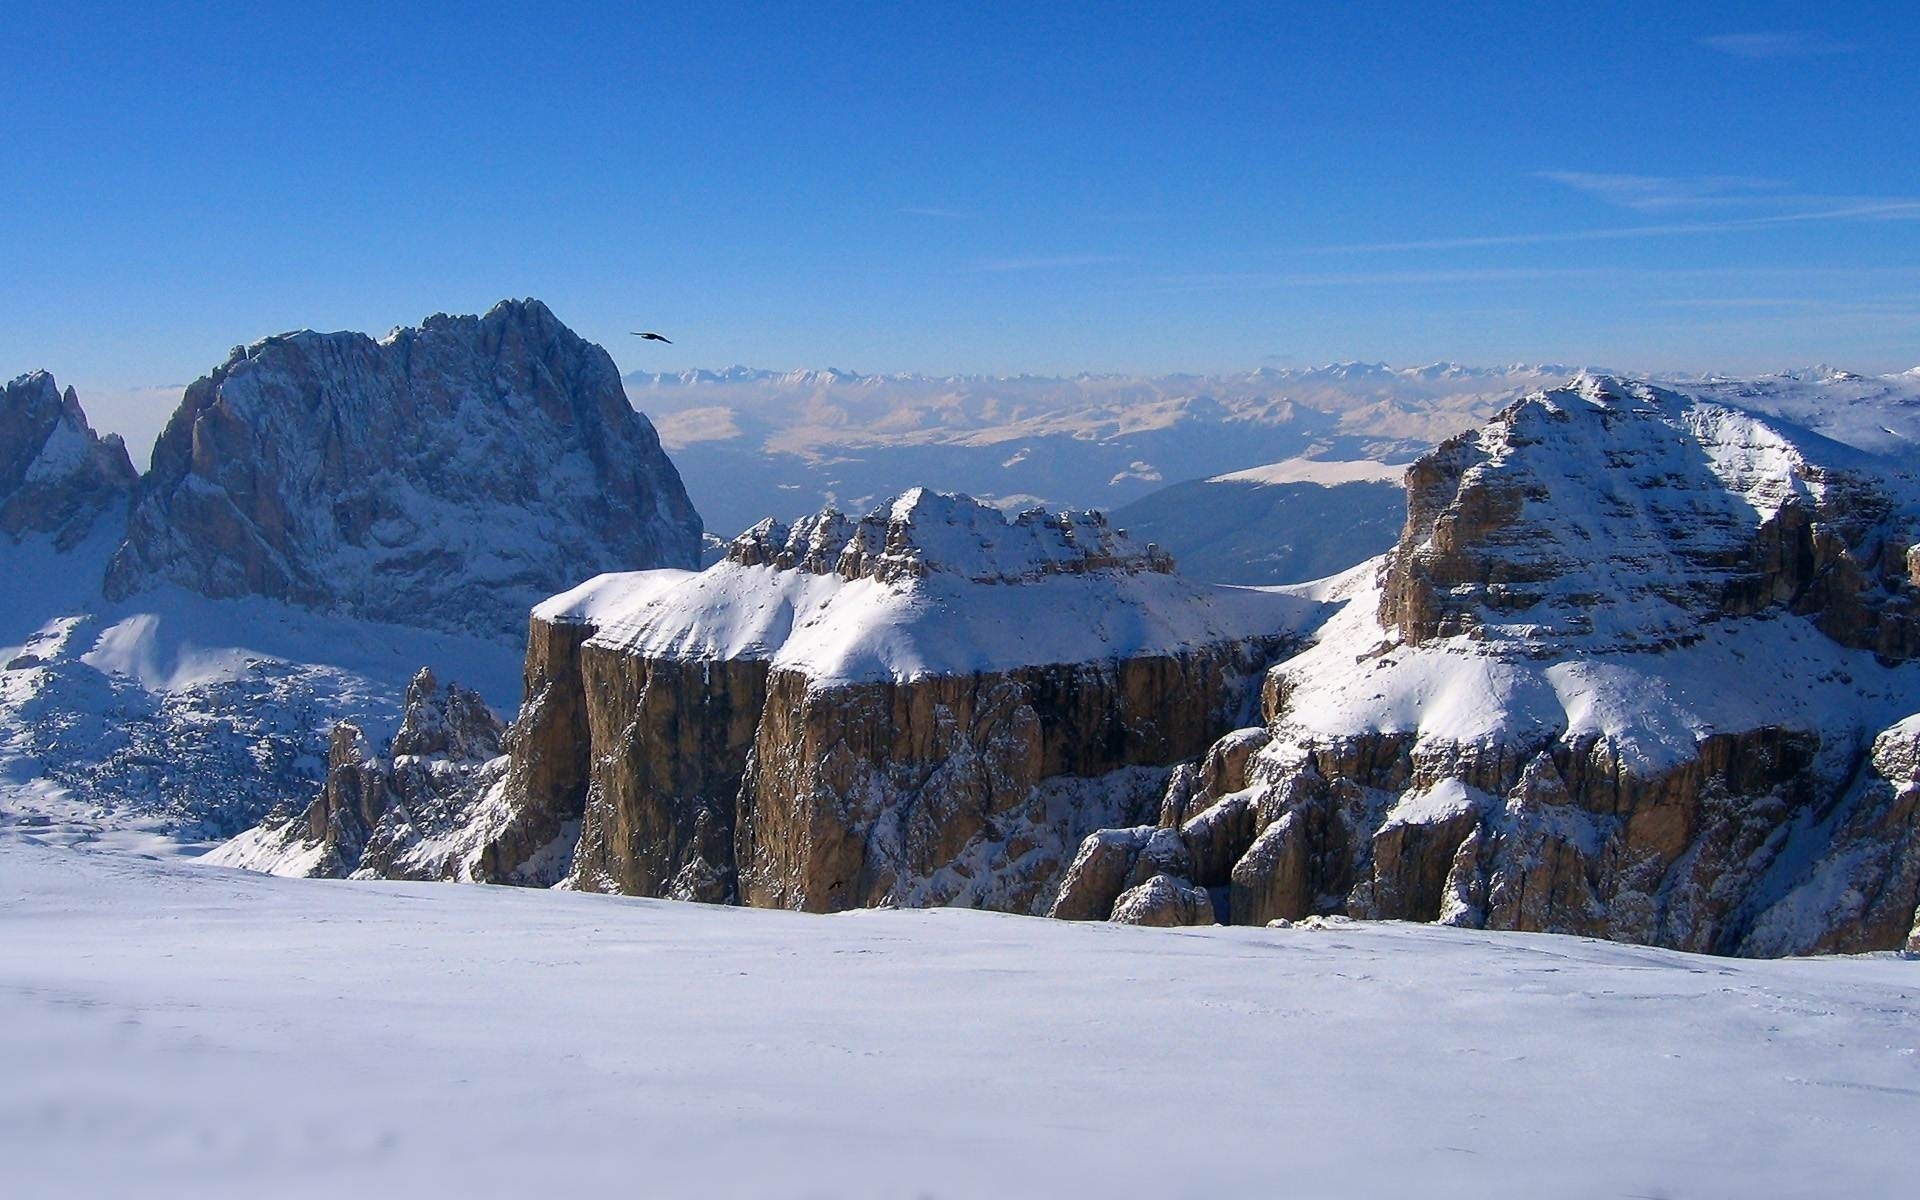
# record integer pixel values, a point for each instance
(969, 188)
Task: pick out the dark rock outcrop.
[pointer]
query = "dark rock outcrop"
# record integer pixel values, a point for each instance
(411, 813)
(57, 477)
(450, 475)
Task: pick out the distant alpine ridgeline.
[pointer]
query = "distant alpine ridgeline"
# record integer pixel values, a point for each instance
(756, 443)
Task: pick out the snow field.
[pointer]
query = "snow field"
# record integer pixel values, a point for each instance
(170, 1028)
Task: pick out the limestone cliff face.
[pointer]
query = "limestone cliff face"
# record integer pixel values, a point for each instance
(670, 740)
(1630, 673)
(57, 477)
(748, 744)
(841, 714)
(531, 838)
(450, 475)
(887, 792)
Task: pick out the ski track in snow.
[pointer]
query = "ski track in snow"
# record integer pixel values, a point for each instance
(170, 1028)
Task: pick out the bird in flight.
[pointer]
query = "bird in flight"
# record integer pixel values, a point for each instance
(653, 337)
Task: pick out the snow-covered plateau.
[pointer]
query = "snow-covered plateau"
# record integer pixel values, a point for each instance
(170, 1028)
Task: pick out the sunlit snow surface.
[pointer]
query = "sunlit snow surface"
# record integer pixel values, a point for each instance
(175, 715)
(169, 1028)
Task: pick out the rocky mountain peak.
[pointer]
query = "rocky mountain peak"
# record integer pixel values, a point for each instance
(57, 476)
(1612, 513)
(449, 475)
(454, 722)
(923, 532)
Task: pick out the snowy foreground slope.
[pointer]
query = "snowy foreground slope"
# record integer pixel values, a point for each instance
(170, 1028)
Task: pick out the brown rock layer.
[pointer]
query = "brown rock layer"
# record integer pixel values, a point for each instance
(548, 761)
(858, 793)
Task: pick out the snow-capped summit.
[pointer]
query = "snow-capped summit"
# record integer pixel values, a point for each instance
(925, 532)
(57, 476)
(449, 475)
(926, 584)
(1612, 513)
(1642, 666)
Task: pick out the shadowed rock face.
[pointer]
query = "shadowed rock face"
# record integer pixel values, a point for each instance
(57, 476)
(450, 475)
(1502, 731)
(864, 794)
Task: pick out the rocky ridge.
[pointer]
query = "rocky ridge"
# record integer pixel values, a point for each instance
(931, 704)
(325, 513)
(451, 475)
(57, 476)
(1635, 670)
(400, 814)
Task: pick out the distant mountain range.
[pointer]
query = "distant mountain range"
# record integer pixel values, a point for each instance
(754, 443)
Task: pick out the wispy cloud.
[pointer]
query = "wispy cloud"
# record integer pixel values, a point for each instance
(1653, 193)
(1256, 280)
(944, 214)
(1779, 44)
(1049, 262)
(1904, 304)
(1878, 210)
(1259, 280)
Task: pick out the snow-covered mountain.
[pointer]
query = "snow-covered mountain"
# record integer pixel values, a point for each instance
(58, 478)
(932, 704)
(451, 475)
(326, 514)
(1641, 666)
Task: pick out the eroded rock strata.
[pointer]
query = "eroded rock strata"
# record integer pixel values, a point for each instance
(929, 705)
(1636, 670)
(450, 475)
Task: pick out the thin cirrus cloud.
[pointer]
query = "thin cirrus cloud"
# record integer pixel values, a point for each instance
(1050, 262)
(1862, 209)
(1653, 193)
(1477, 276)
(1779, 44)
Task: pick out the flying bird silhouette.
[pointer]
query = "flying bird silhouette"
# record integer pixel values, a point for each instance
(653, 337)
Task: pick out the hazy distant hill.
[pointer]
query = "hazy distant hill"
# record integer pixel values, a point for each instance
(1284, 523)
(753, 443)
